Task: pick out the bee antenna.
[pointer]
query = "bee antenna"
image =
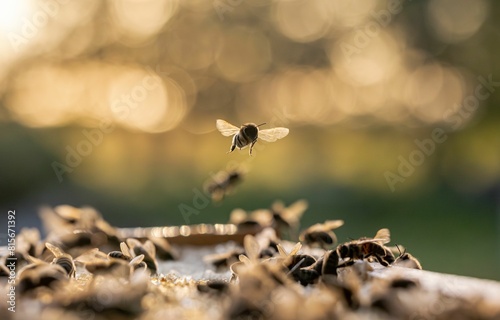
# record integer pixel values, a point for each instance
(261, 124)
(404, 251)
(296, 266)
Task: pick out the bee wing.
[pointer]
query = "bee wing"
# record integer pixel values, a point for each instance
(244, 259)
(383, 235)
(282, 250)
(295, 210)
(226, 128)
(295, 249)
(262, 216)
(238, 216)
(252, 248)
(124, 249)
(379, 241)
(271, 135)
(55, 250)
(136, 260)
(333, 224)
(150, 248)
(278, 206)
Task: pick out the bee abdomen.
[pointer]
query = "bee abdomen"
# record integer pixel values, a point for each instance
(67, 264)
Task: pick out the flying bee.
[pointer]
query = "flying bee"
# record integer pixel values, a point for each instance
(249, 133)
(222, 184)
(406, 260)
(365, 248)
(321, 233)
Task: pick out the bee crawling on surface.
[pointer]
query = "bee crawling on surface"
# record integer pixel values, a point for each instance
(248, 134)
(222, 183)
(365, 248)
(62, 259)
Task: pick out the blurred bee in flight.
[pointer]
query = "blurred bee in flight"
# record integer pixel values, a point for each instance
(249, 133)
(222, 184)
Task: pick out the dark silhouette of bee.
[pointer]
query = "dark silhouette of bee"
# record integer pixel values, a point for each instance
(347, 290)
(249, 133)
(288, 218)
(325, 266)
(40, 274)
(123, 254)
(406, 260)
(387, 299)
(224, 260)
(279, 217)
(119, 255)
(213, 286)
(244, 219)
(147, 249)
(222, 184)
(294, 262)
(321, 233)
(403, 283)
(164, 250)
(62, 259)
(113, 267)
(282, 219)
(366, 248)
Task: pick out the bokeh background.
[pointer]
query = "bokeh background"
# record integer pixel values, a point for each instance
(113, 104)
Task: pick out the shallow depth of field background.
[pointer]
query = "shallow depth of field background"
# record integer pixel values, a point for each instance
(356, 84)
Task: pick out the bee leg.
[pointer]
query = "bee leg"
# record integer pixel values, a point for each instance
(348, 263)
(381, 260)
(251, 146)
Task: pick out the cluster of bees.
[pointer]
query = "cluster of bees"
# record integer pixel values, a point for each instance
(84, 270)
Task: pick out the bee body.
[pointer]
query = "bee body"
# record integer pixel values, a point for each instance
(248, 134)
(361, 250)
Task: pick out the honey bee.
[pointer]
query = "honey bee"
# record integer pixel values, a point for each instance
(282, 219)
(62, 259)
(295, 263)
(321, 233)
(365, 248)
(40, 274)
(325, 266)
(249, 133)
(222, 183)
(147, 249)
(223, 260)
(164, 250)
(213, 286)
